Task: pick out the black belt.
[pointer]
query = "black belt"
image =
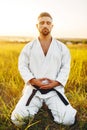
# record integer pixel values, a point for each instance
(44, 91)
(30, 98)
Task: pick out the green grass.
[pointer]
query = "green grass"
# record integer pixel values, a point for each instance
(11, 86)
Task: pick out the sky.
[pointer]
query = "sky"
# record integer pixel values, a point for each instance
(19, 17)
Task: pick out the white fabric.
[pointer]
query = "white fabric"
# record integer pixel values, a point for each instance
(55, 65)
(61, 113)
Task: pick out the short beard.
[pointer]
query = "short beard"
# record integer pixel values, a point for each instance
(45, 31)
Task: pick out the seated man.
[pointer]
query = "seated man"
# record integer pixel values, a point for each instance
(44, 65)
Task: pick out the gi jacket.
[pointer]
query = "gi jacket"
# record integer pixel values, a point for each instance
(55, 65)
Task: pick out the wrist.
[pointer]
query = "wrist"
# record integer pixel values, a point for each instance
(32, 81)
(57, 83)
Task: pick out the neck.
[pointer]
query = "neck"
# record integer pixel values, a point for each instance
(45, 38)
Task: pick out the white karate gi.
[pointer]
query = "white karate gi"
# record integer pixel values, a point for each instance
(56, 66)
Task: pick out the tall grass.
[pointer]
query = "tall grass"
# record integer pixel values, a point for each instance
(11, 86)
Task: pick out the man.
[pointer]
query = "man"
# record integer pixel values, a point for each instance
(44, 65)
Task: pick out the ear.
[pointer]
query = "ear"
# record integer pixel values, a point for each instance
(37, 26)
(52, 25)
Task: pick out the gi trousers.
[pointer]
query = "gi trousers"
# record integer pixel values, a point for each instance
(32, 100)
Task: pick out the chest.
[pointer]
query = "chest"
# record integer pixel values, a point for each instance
(45, 53)
(45, 47)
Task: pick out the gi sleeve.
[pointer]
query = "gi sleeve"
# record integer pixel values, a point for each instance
(63, 74)
(23, 63)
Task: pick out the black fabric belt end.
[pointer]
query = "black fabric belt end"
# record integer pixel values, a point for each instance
(44, 91)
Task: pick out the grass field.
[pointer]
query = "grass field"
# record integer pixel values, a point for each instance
(11, 86)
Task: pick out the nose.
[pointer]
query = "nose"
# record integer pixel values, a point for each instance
(45, 24)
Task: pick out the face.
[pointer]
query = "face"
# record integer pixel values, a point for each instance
(44, 25)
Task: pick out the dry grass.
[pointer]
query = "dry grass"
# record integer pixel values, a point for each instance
(11, 86)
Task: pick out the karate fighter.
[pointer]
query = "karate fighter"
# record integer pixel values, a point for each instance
(44, 65)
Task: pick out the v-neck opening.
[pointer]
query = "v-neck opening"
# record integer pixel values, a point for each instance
(48, 48)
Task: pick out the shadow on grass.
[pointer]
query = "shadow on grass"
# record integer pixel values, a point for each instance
(45, 122)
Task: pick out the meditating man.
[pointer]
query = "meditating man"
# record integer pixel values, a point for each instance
(44, 65)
